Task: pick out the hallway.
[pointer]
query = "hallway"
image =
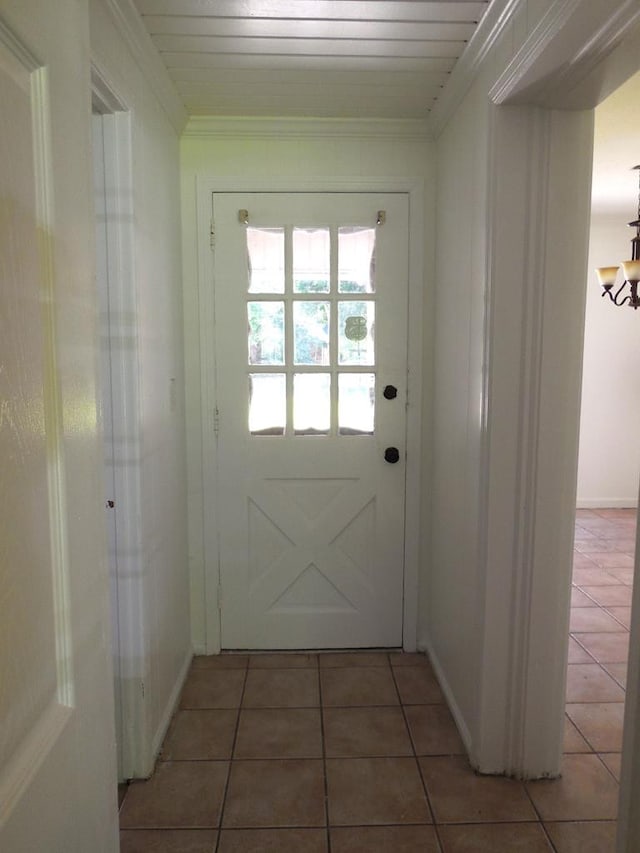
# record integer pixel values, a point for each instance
(341, 753)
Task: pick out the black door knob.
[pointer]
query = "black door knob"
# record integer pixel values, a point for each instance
(392, 455)
(390, 392)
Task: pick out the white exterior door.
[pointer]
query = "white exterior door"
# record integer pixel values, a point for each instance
(311, 349)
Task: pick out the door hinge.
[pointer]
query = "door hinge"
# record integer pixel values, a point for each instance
(212, 235)
(216, 421)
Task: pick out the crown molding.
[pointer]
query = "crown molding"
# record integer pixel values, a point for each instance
(300, 128)
(129, 24)
(9, 39)
(499, 14)
(104, 99)
(556, 64)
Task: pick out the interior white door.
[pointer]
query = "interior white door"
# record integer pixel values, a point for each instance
(311, 374)
(57, 773)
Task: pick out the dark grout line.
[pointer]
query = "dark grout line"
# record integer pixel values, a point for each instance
(324, 763)
(417, 761)
(231, 759)
(606, 767)
(539, 820)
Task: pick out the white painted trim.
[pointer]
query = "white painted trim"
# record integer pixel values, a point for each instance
(206, 186)
(125, 377)
(467, 68)
(301, 128)
(506, 521)
(129, 24)
(168, 712)
(527, 494)
(125, 373)
(551, 23)
(18, 49)
(416, 446)
(22, 768)
(628, 810)
(528, 425)
(104, 99)
(449, 695)
(210, 580)
(571, 39)
(45, 212)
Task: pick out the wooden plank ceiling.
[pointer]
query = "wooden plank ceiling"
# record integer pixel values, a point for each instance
(342, 58)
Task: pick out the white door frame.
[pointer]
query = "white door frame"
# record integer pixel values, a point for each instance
(561, 69)
(413, 188)
(121, 327)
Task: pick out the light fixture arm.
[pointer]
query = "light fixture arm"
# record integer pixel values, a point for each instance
(632, 299)
(607, 275)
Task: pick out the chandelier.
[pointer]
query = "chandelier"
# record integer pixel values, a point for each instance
(630, 269)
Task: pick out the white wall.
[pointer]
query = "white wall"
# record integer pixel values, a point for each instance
(290, 150)
(609, 462)
(450, 606)
(161, 572)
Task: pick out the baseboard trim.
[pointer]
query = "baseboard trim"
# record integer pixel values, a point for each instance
(169, 711)
(463, 730)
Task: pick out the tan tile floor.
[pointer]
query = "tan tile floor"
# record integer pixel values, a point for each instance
(353, 752)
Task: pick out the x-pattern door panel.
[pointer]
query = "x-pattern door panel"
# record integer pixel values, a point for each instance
(310, 326)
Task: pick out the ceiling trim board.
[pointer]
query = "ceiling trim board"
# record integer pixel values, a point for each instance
(308, 47)
(304, 128)
(499, 14)
(237, 28)
(544, 65)
(281, 62)
(225, 82)
(349, 10)
(129, 25)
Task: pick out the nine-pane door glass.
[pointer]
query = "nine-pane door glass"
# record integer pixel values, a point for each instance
(310, 321)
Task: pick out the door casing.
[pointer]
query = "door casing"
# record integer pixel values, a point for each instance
(209, 582)
(127, 604)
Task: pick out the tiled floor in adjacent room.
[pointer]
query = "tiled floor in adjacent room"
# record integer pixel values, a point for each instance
(342, 753)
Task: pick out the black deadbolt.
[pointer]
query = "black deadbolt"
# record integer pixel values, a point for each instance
(390, 392)
(392, 455)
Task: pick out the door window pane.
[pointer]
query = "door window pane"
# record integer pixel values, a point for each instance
(311, 403)
(311, 260)
(265, 258)
(267, 403)
(356, 403)
(311, 332)
(356, 330)
(356, 260)
(266, 332)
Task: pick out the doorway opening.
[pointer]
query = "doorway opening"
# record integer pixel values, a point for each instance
(608, 468)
